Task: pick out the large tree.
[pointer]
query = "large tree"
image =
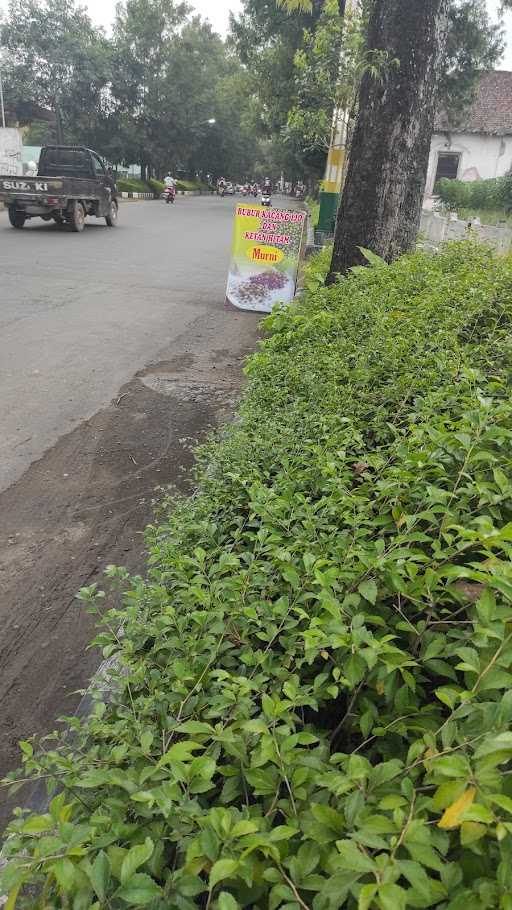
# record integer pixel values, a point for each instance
(54, 55)
(329, 67)
(267, 39)
(381, 201)
(427, 54)
(144, 33)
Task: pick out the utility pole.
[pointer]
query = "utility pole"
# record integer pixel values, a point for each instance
(334, 169)
(58, 124)
(337, 154)
(2, 108)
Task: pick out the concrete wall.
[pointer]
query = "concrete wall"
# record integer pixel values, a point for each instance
(481, 157)
(437, 229)
(10, 151)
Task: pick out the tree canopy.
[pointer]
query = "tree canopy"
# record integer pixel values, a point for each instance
(315, 52)
(145, 95)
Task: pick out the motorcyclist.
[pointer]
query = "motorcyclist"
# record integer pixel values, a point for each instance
(267, 187)
(170, 188)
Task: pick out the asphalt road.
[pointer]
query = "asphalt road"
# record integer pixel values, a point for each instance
(117, 351)
(80, 313)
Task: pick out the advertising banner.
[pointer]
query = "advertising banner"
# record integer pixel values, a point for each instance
(267, 245)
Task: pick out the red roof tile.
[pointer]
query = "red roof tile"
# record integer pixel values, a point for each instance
(491, 111)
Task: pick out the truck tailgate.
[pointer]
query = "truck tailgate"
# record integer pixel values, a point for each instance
(37, 188)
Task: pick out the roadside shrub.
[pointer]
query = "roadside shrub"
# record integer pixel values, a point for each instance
(192, 185)
(454, 194)
(483, 195)
(157, 186)
(132, 185)
(312, 704)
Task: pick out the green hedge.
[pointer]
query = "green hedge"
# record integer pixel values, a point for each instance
(480, 194)
(134, 185)
(313, 700)
(157, 186)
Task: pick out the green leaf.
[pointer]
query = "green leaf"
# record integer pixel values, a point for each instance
(354, 859)
(36, 824)
(329, 817)
(504, 802)
(372, 258)
(471, 832)
(146, 741)
(195, 728)
(283, 832)
(141, 889)
(226, 901)
(291, 575)
(64, 872)
(263, 781)
(190, 885)
(135, 858)
(392, 897)
(244, 827)
(366, 895)
(425, 855)
(181, 751)
(451, 766)
(222, 869)
(417, 877)
(368, 590)
(498, 747)
(99, 874)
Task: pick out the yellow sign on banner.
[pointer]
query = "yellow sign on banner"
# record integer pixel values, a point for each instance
(267, 245)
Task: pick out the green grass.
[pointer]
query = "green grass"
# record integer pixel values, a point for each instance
(487, 216)
(312, 703)
(314, 211)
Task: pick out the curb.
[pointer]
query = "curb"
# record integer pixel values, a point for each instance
(137, 196)
(156, 196)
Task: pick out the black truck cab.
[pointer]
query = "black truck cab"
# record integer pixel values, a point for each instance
(72, 182)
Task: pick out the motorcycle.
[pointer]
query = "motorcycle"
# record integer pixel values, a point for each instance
(169, 194)
(266, 199)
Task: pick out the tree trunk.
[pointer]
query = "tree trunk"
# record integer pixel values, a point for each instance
(382, 196)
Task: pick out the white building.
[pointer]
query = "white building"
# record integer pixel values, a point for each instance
(479, 145)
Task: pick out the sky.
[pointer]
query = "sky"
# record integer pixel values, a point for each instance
(217, 11)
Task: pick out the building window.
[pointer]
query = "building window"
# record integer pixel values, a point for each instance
(447, 165)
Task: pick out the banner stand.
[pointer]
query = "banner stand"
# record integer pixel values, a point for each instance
(266, 252)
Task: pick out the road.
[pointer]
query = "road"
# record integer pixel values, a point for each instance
(116, 351)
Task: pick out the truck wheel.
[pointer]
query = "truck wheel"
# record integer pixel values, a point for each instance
(111, 218)
(76, 218)
(17, 219)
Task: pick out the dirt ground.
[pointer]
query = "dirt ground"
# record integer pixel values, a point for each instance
(84, 505)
